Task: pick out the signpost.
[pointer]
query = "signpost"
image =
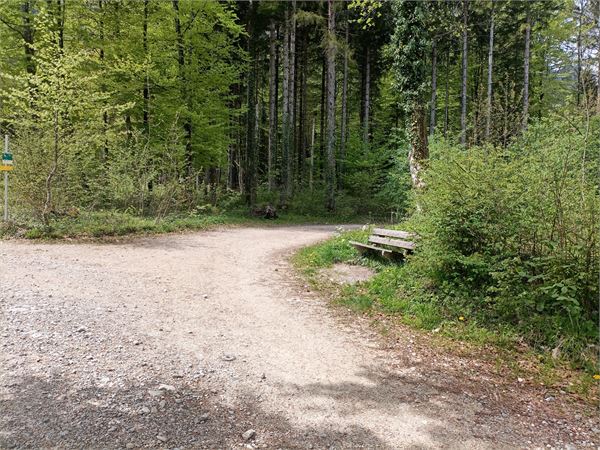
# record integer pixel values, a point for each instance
(6, 166)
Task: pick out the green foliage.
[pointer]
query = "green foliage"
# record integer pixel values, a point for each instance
(57, 115)
(395, 289)
(376, 177)
(510, 236)
(368, 11)
(98, 121)
(509, 248)
(410, 48)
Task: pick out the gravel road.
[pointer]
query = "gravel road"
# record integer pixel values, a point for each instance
(206, 340)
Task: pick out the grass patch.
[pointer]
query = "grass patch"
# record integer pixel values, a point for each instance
(356, 300)
(399, 292)
(111, 223)
(98, 224)
(327, 253)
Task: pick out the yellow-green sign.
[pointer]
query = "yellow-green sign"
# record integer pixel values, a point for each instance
(7, 162)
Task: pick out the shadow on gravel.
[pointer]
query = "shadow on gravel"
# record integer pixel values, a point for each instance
(444, 412)
(40, 413)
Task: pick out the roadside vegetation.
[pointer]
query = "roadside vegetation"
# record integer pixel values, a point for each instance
(399, 295)
(85, 222)
(508, 252)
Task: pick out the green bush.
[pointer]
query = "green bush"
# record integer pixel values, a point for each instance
(511, 236)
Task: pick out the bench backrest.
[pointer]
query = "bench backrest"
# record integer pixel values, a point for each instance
(393, 238)
(394, 234)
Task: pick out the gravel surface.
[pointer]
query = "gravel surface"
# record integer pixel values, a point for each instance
(206, 340)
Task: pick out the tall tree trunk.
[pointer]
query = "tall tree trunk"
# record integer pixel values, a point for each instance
(234, 176)
(178, 33)
(272, 151)
(102, 86)
(526, 70)
(488, 113)
(292, 92)
(302, 125)
(285, 115)
(475, 96)
(187, 122)
(258, 115)
(231, 150)
(292, 108)
(447, 92)
(230, 166)
(61, 23)
(312, 156)
(579, 7)
(146, 90)
(598, 56)
(433, 88)
(251, 135)
(277, 180)
(505, 113)
(367, 93)
(241, 135)
(28, 36)
(465, 60)
(331, 50)
(419, 150)
(344, 119)
(322, 115)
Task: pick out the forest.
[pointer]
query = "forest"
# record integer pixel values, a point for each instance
(475, 123)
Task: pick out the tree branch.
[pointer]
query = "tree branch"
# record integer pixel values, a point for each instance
(13, 27)
(191, 22)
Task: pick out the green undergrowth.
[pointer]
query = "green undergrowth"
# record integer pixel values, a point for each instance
(99, 224)
(401, 292)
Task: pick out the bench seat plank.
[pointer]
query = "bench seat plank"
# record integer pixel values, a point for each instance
(392, 242)
(360, 245)
(394, 233)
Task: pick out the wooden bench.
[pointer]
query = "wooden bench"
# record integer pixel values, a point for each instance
(388, 243)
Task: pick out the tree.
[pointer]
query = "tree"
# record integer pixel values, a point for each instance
(465, 68)
(372, 34)
(202, 79)
(526, 69)
(447, 93)
(330, 55)
(597, 22)
(287, 106)
(27, 33)
(412, 45)
(272, 105)
(251, 135)
(183, 83)
(598, 56)
(146, 90)
(433, 103)
(344, 117)
(57, 115)
(488, 115)
(289, 162)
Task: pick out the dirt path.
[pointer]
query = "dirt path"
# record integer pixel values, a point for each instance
(90, 332)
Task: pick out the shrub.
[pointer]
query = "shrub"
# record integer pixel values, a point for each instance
(511, 235)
